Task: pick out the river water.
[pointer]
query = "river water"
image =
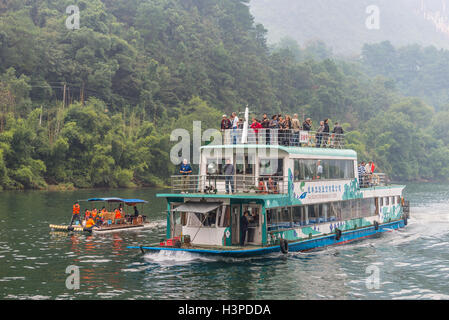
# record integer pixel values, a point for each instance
(411, 263)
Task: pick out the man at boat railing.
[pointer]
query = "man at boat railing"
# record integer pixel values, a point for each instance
(362, 174)
(185, 171)
(229, 175)
(337, 134)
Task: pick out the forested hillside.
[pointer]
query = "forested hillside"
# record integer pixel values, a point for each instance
(94, 107)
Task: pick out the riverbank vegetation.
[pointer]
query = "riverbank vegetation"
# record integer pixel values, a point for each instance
(95, 107)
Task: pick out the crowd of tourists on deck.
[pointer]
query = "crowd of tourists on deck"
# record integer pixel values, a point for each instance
(96, 218)
(284, 130)
(366, 174)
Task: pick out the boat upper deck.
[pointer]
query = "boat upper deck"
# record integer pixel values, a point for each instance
(284, 137)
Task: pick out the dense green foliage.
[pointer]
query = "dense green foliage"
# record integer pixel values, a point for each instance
(137, 69)
(417, 71)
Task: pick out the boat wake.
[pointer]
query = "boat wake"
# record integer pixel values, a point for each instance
(164, 257)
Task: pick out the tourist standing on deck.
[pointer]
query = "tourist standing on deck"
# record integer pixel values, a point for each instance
(338, 134)
(319, 134)
(361, 172)
(185, 171)
(274, 126)
(243, 228)
(307, 125)
(229, 175)
(266, 126)
(225, 126)
(326, 131)
(256, 126)
(235, 126)
(296, 125)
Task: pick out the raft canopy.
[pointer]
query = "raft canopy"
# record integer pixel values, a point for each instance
(129, 202)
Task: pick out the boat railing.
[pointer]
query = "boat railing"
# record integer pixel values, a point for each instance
(284, 137)
(213, 184)
(369, 180)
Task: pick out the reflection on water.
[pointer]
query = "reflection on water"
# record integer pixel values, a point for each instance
(413, 262)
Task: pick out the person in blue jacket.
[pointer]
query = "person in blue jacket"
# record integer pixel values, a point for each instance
(185, 171)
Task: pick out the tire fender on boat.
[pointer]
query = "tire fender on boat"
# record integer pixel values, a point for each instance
(405, 219)
(284, 246)
(337, 234)
(376, 225)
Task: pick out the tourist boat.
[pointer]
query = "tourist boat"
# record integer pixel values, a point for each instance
(299, 197)
(110, 224)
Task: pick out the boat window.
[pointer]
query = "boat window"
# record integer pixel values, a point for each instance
(224, 217)
(323, 212)
(345, 210)
(387, 201)
(296, 170)
(306, 169)
(312, 213)
(271, 219)
(196, 219)
(297, 216)
(285, 218)
(334, 211)
(309, 169)
(271, 167)
(398, 199)
(381, 201)
(254, 215)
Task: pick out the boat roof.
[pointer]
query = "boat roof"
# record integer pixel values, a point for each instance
(331, 152)
(224, 196)
(126, 201)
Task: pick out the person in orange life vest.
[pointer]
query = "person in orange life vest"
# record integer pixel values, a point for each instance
(86, 214)
(90, 223)
(118, 214)
(94, 213)
(75, 213)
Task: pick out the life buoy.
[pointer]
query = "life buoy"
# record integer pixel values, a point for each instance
(337, 234)
(284, 246)
(376, 225)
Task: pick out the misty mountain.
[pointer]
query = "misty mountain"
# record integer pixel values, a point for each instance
(342, 24)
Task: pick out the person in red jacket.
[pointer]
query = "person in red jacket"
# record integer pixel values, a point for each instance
(256, 126)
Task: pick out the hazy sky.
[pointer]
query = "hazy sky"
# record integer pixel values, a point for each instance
(346, 25)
